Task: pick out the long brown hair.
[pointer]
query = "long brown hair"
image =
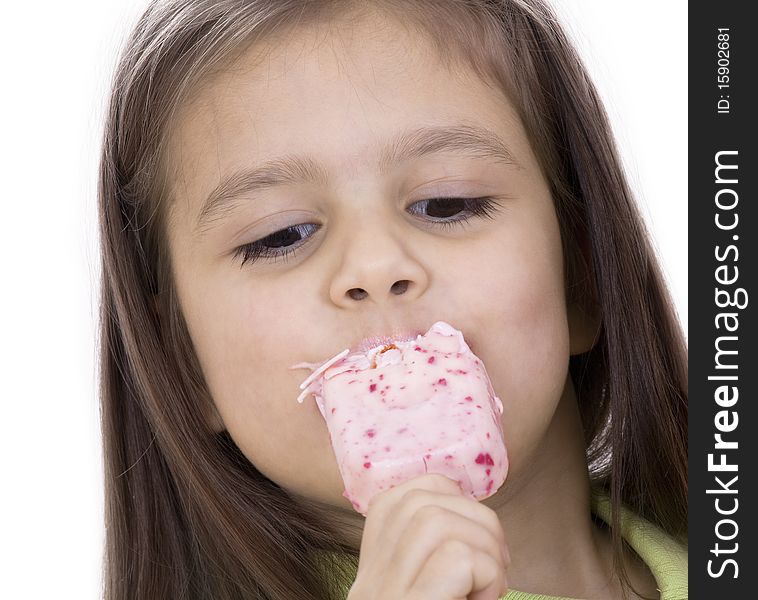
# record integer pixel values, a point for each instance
(187, 515)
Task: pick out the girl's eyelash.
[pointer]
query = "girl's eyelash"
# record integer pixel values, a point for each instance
(483, 207)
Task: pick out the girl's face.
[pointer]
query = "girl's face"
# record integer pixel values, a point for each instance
(356, 130)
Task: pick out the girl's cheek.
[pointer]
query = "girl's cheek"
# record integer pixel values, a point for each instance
(531, 342)
(527, 341)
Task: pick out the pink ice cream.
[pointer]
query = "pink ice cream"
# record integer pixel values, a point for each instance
(409, 408)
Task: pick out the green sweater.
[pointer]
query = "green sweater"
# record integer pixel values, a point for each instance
(666, 558)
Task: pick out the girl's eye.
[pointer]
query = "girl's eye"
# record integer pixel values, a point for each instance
(442, 209)
(282, 243)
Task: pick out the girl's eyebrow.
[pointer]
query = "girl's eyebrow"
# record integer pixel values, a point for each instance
(472, 140)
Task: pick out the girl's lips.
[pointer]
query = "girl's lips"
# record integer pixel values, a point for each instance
(373, 341)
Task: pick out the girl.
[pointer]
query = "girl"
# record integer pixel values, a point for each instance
(281, 179)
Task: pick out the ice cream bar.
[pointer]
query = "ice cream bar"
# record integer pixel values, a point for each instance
(408, 408)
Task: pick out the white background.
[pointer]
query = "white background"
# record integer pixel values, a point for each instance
(56, 59)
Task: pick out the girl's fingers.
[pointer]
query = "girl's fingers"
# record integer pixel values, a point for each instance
(455, 571)
(383, 509)
(432, 491)
(426, 540)
(430, 529)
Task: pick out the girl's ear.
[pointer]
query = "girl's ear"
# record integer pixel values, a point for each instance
(584, 327)
(585, 315)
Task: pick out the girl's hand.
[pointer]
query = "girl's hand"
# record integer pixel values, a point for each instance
(426, 540)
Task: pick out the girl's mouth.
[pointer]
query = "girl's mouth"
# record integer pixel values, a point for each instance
(373, 341)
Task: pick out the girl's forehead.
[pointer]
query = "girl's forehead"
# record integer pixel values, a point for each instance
(368, 47)
(340, 94)
(301, 70)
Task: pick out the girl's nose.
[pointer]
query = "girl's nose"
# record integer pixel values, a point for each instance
(378, 267)
(399, 287)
